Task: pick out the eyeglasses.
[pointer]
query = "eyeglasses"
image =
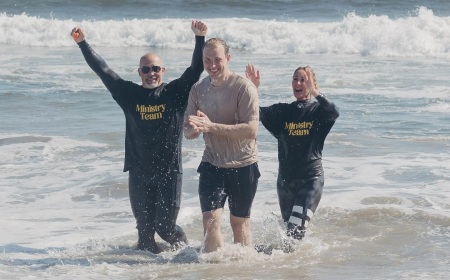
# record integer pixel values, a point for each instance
(154, 68)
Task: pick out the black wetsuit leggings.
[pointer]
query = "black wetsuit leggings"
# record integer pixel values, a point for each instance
(155, 201)
(298, 201)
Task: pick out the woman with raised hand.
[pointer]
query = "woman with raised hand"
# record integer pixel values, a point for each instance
(300, 128)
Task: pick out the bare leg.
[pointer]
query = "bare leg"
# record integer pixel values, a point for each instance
(241, 230)
(211, 229)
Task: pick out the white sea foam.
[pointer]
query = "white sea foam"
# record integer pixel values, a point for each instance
(65, 205)
(420, 35)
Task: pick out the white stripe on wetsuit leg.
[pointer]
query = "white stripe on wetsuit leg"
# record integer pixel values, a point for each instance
(309, 213)
(299, 209)
(295, 220)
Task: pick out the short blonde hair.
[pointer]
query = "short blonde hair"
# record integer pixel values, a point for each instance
(215, 42)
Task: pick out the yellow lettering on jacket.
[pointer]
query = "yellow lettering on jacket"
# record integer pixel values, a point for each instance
(151, 112)
(298, 129)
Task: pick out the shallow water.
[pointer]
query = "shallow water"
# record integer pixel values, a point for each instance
(385, 212)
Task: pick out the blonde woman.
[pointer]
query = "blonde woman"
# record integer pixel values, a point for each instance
(300, 128)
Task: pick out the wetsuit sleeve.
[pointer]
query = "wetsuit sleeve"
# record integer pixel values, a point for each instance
(192, 74)
(268, 117)
(331, 111)
(197, 57)
(99, 66)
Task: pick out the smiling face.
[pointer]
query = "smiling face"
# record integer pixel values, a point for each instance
(299, 86)
(153, 78)
(216, 60)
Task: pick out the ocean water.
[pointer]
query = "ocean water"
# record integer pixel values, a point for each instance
(385, 211)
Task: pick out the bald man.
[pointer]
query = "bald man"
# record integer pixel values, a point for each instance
(154, 114)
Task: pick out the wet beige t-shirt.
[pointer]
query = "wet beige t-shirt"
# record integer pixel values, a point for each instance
(234, 102)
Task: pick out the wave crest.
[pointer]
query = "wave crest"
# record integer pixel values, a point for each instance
(422, 34)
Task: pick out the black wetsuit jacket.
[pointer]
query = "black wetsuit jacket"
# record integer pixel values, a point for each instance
(154, 117)
(300, 128)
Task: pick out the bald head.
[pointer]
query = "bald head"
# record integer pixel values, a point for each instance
(151, 70)
(150, 58)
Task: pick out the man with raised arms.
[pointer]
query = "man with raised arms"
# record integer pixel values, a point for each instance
(154, 114)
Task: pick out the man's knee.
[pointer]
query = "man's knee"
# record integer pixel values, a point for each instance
(212, 220)
(239, 224)
(241, 230)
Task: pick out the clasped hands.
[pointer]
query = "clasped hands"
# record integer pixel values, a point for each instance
(200, 122)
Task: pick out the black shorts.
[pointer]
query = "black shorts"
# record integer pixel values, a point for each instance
(239, 185)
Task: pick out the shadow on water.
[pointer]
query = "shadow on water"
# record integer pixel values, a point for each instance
(41, 259)
(13, 248)
(23, 139)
